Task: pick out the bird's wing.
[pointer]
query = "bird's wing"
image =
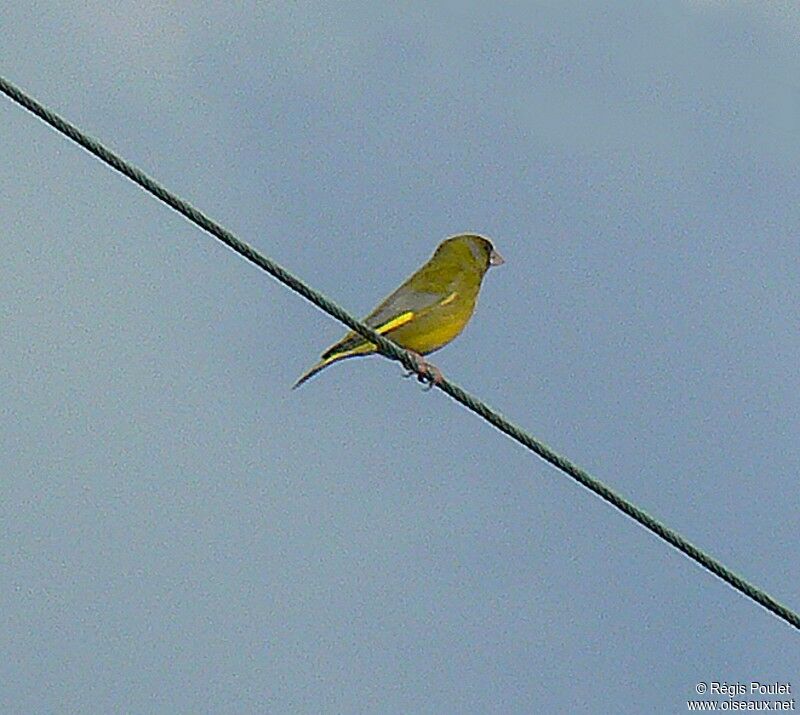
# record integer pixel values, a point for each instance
(400, 308)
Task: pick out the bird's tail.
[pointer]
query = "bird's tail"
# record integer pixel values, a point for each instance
(321, 365)
(350, 346)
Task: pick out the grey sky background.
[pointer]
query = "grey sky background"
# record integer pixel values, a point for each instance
(181, 533)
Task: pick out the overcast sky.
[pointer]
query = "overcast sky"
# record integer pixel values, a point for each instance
(180, 532)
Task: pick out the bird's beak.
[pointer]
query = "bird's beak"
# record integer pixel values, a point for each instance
(495, 259)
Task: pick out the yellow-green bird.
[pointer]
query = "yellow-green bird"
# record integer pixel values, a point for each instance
(430, 309)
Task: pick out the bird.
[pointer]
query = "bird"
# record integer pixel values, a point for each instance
(428, 310)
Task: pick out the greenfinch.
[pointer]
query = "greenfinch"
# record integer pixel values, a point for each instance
(429, 310)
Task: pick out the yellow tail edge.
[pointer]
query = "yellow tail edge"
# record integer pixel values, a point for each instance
(321, 365)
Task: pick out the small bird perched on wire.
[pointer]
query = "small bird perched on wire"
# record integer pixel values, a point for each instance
(429, 310)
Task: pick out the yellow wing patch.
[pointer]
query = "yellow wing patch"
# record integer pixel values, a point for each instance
(450, 298)
(401, 319)
(366, 347)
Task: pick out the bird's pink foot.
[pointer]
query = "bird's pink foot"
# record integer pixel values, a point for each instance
(425, 372)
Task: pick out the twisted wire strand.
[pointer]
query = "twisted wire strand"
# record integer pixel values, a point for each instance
(395, 352)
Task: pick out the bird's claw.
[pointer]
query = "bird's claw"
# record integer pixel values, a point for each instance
(425, 372)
